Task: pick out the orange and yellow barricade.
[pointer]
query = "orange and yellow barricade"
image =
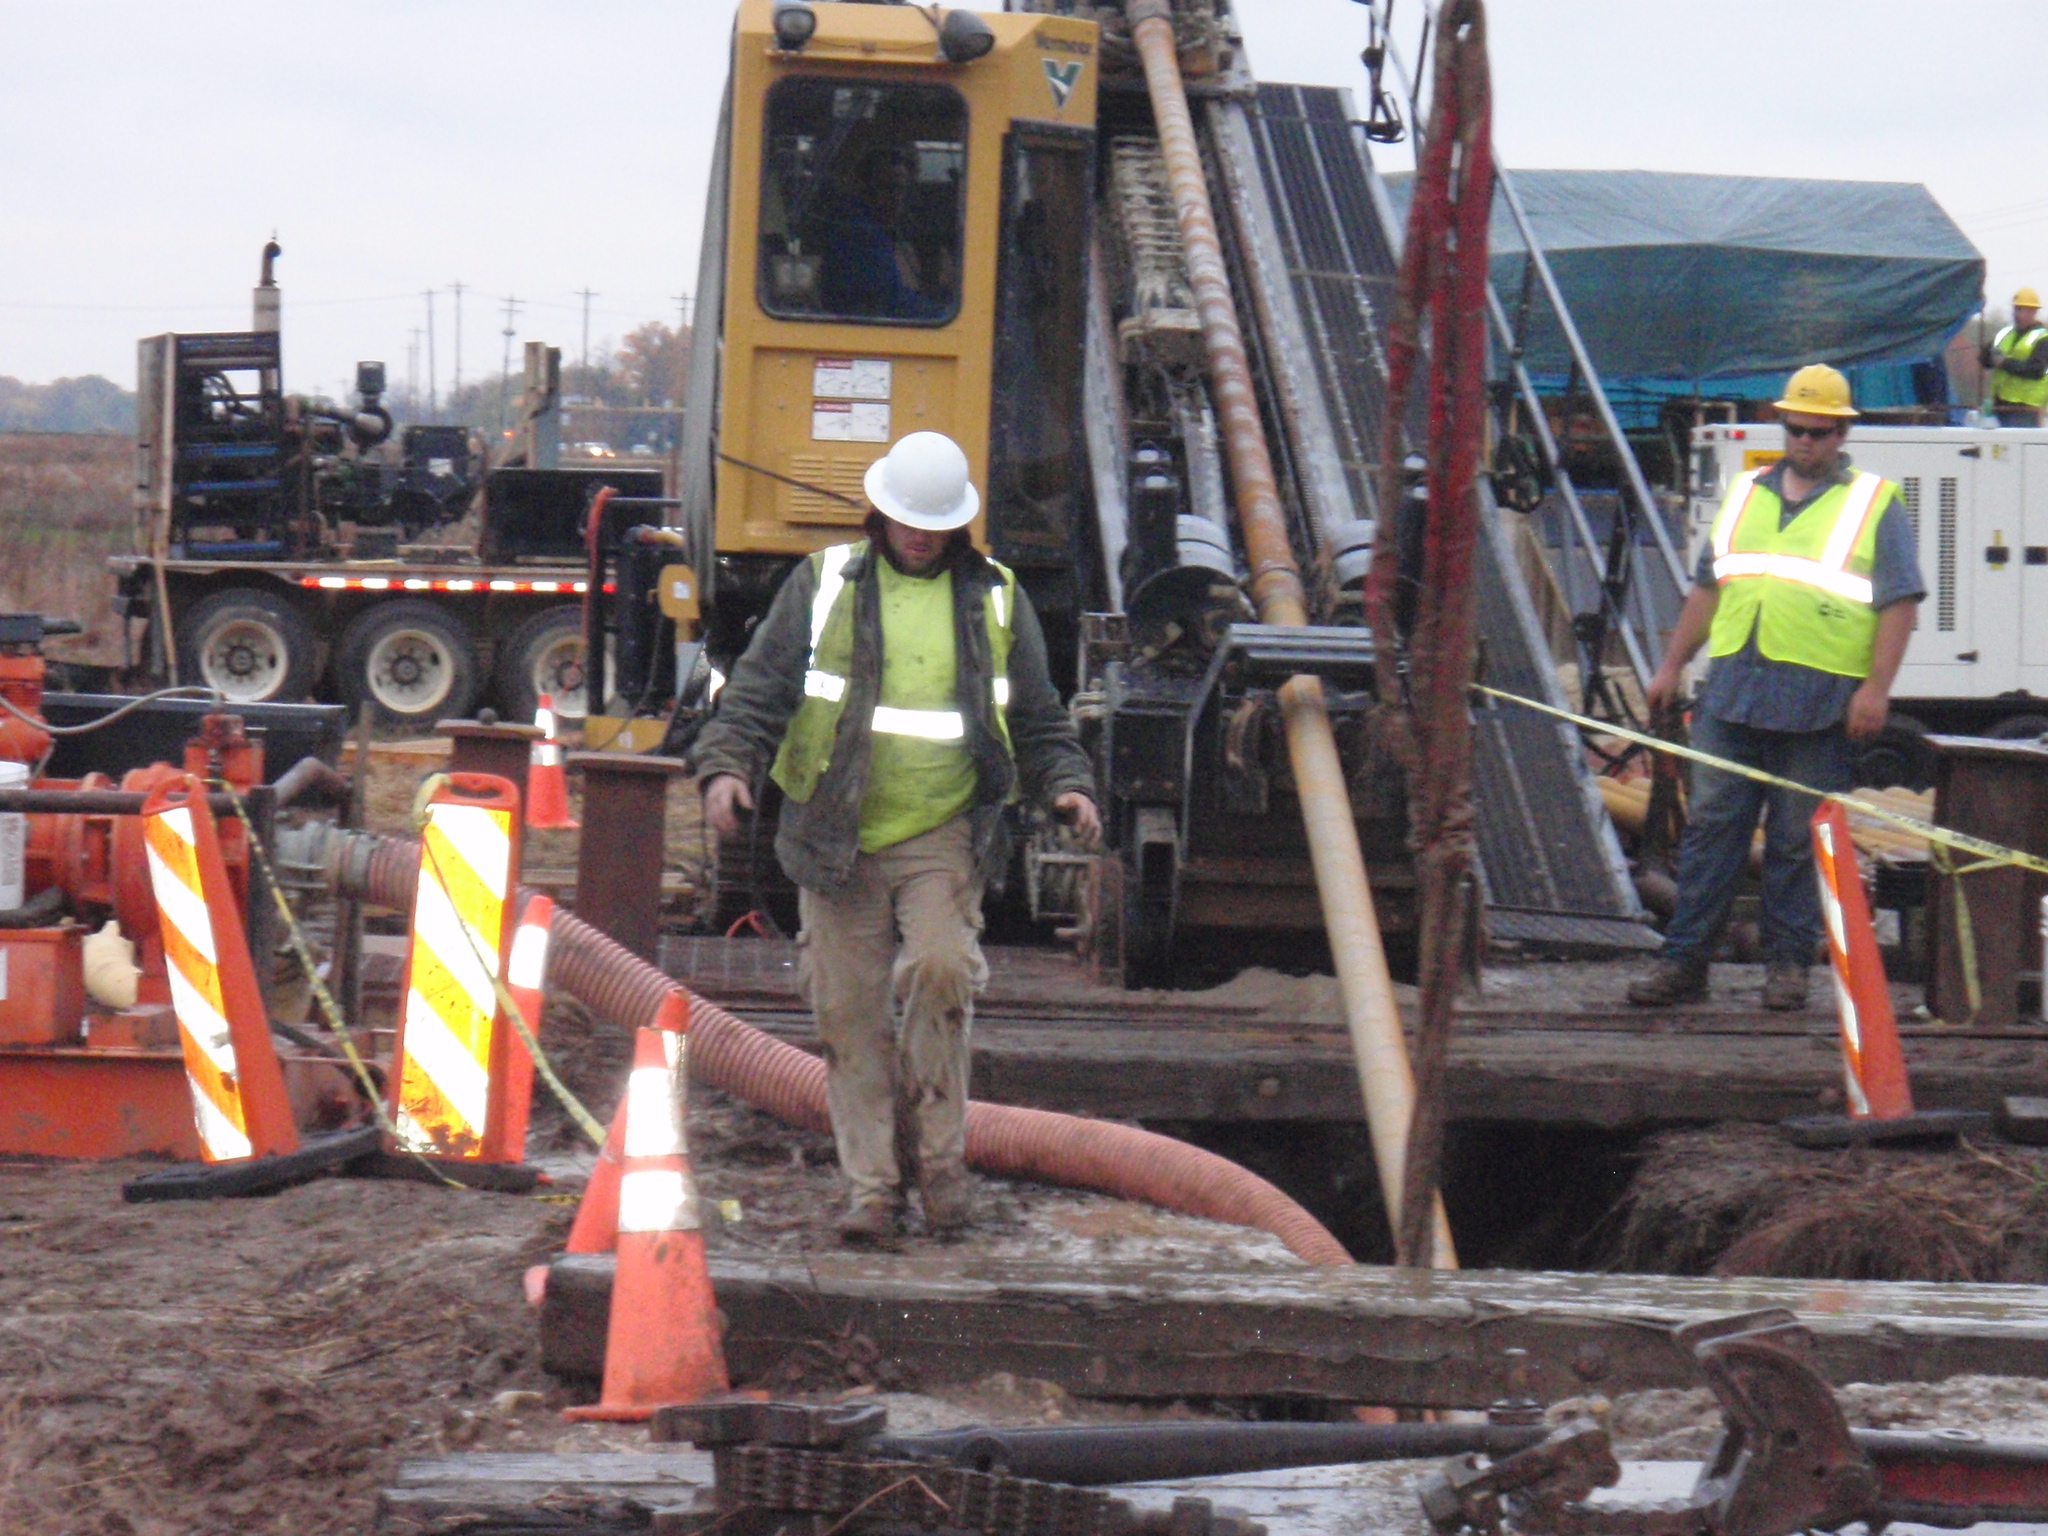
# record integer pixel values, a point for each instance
(456, 1053)
(238, 1094)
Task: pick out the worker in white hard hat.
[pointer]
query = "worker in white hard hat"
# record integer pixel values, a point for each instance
(2018, 364)
(897, 693)
(1804, 597)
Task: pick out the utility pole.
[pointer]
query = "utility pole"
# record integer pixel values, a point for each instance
(587, 296)
(412, 373)
(433, 380)
(505, 378)
(682, 304)
(456, 388)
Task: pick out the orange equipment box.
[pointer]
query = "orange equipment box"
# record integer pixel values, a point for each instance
(42, 986)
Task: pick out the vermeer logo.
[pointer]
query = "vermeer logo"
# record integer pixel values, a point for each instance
(1062, 77)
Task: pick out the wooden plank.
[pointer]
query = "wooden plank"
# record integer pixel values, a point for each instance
(1605, 1078)
(590, 1493)
(1362, 1334)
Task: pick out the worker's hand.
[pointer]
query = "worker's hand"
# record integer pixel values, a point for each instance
(1664, 686)
(1869, 707)
(1079, 811)
(725, 791)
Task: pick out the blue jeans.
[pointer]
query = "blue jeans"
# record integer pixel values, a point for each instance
(1725, 807)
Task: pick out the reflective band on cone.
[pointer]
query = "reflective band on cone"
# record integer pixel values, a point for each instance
(449, 1093)
(526, 979)
(662, 1342)
(1873, 1065)
(547, 785)
(596, 1227)
(239, 1102)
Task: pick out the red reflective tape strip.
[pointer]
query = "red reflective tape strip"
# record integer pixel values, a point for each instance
(441, 584)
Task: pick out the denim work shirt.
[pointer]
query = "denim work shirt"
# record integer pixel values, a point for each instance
(1747, 687)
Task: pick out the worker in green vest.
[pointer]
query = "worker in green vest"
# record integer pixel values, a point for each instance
(898, 686)
(2018, 364)
(1804, 597)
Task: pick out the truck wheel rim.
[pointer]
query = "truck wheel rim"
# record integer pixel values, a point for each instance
(245, 659)
(409, 672)
(558, 672)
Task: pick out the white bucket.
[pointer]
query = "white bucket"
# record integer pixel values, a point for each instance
(13, 841)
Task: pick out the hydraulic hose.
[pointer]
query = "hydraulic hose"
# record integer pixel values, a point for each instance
(776, 1077)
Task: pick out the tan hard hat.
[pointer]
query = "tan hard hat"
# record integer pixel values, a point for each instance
(2026, 298)
(1818, 390)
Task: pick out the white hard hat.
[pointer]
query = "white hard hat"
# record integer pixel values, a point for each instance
(922, 483)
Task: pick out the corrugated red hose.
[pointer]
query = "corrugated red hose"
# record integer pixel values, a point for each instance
(788, 1083)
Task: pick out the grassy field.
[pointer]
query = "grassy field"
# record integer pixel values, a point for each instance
(64, 508)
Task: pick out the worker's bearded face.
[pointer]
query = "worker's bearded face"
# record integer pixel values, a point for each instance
(2023, 317)
(1813, 458)
(916, 551)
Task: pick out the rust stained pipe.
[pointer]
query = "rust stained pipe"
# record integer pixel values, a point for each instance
(730, 1054)
(1386, 1078)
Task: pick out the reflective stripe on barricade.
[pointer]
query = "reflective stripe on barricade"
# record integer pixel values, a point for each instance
(453, 1043)
(238, 1096)
(1873, 1065)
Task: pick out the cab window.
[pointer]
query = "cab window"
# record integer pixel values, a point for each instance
(862, 207)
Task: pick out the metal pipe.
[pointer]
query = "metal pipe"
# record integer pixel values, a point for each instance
(1374, 1019)
(91, 802)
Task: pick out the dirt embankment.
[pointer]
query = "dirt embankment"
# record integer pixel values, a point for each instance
(64, 508)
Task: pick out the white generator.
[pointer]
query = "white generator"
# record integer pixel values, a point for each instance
(1978, 498)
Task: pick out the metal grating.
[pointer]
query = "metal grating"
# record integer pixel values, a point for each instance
(1542, 845)
(1945, 558)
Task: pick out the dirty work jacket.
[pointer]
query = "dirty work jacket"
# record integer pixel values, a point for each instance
(1803, 586)
(818, 840)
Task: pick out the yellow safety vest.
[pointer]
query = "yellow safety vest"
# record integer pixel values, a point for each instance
(2020, 346)
(1804, 588)
(806, 750)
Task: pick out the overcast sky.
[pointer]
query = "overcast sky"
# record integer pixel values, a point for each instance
(531, 150)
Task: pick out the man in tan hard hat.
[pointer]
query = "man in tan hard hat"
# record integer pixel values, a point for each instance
(2018, 364)
(899, 686)
(1805, 597)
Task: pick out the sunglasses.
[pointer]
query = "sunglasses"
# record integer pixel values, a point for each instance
(1792, 431)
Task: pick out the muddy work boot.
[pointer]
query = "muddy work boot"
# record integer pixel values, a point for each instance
(1785, 987)
(1668, 982)
(872, 1224)
(948, 1200)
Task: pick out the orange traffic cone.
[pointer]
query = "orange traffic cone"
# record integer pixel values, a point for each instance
(1880, 1098)
(547, 786)
(662, 1345)
(596, 1227)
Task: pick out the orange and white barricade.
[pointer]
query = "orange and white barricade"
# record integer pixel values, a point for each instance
(547, 783)
(1873, 1065)
(662, 1343)
(238, 1094)
(457, 1056)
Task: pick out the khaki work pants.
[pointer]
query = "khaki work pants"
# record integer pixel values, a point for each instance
(853, 971)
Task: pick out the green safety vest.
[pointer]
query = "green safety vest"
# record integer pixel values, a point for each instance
(1803, 588)
(807, 745)
(2019, 345)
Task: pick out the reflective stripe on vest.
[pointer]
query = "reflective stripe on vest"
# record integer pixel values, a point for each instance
(926, 724)
(1830, 572)
(2020, 346)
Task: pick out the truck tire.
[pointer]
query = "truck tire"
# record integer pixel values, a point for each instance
(1898, 757)
(543, 655)
(413, 662)
(256, 647)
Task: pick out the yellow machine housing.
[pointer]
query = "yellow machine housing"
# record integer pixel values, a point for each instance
(868, 183)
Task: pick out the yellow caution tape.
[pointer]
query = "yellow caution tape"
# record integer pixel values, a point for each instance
(1989, 853)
